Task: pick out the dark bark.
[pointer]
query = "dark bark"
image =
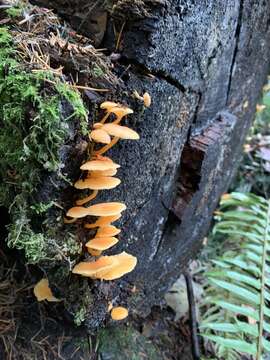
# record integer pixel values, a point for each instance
(208, 61)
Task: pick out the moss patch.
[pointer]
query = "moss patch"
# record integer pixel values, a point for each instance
(32, 132)
(125, 343)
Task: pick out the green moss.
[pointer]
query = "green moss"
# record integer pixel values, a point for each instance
(32, 131)
(15, 11)
(125, 343)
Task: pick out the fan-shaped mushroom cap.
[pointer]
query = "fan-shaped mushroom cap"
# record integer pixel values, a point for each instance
(100, 136)
(77, 212)
(103, 221)
(122, 132)
(125, 263)
(108, 230)
(119, 313)
(106, 209)
(95, 268)
(98, 183)
(42, 291)
(101, 243)
(108, 105)
(121, 111)
(102, 163)
(99, 173)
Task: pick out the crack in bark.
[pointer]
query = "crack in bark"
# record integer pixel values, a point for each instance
(237, 39)
(160, 74)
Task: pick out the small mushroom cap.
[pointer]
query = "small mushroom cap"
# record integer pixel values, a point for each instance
(125, 263)
(108, 230)
(100, 136)
(103, 221)
(119, 313)
(77, 212)
(98, 183)
(108, 105)
(99, 173)
(106, 209)
(101, 243)
(94, 268)
(146, 99)
(121, 111)
(100, 164)
(122, 132)
(97, 125)
(42, 291)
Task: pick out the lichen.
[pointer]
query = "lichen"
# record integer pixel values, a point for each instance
(32, 132)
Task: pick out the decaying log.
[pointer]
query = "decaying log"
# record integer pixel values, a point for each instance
(204, 64)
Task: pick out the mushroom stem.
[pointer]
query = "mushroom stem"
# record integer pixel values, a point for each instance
(117, 120)
(107, 147)
(87, 199)
(102, 121)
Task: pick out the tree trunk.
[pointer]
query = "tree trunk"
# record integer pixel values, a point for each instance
(204, 64)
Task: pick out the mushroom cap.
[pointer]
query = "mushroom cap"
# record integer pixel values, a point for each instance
(103, 221)
(98, 183)
(108, 230)
(106, 209)
(121, 111)
(122, 132)
(101, 243)
(119, 313)
(99, 173)
(147, 99)
(125, 263)
(42, 291)
(100, 136)
(94, 268)
(102, 163)
(77, 212)
(108, 105)
(97, 125)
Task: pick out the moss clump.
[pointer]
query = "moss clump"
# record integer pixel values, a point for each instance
(32, 131)
(125, 343)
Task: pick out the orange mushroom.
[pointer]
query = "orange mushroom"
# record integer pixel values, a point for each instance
(106, 209)
(122, 132)
(101, 243)
(95, 183)
(100, 164)
(108, 105)
(119, 313)
(125, 263)
(77, 212)
(108, 230)
(87, 199)
(96, 268)
(147, 99)
(42, 291)
(100, 136)
(103, 221)
(98, 173)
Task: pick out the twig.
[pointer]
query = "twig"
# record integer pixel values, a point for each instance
(192, 317)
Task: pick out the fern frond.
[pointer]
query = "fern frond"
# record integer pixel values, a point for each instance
(238, 295)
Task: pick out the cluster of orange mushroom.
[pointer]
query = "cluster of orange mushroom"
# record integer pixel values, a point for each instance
(98, 174)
